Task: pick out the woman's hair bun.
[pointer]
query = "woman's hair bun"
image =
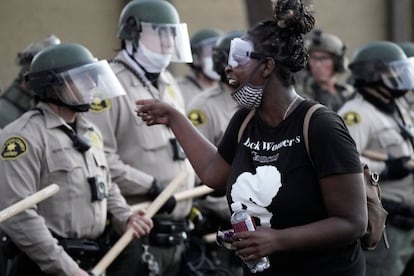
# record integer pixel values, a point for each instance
(292, 15)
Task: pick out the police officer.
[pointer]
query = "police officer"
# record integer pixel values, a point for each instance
(382, 73)
(144, 160)
(408, 48)
(327, 58)
(408, 99)
(16, 99)
(202, 74)
(211, 112)
(54, 143)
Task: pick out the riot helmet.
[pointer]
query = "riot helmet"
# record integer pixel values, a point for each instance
(408, 48)
(25, 56)
(68, 75)
(221, 52)
(153, 24)
(326, 42)
(202, 43)
(383, 62)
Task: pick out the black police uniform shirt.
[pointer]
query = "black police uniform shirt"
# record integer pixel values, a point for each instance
(273, 177)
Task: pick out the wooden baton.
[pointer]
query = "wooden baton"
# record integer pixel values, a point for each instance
(28, 202)
(129, 234)
(191, 193)
(378, 156)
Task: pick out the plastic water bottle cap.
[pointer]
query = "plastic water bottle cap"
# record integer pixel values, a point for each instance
(236, 206)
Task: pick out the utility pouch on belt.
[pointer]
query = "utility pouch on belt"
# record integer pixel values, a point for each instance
(86, 253)
(167, 232)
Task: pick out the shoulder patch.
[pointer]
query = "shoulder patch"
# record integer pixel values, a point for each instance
(13, 148)
(197, 117)
(100, 105)
(96, 141)
(352, 118)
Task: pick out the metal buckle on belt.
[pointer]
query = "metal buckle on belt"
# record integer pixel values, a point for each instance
(165, 239)
(169, 226)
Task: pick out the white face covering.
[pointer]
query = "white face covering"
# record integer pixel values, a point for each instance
(208, 69)
(151, 61)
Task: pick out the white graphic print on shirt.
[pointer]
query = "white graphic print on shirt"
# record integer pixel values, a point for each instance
(256, 191)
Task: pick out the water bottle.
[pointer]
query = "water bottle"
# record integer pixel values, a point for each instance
(242, 221)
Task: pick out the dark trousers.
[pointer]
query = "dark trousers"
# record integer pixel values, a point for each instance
(124, 265)
(22, 266)
(409, 269)
(3, 262)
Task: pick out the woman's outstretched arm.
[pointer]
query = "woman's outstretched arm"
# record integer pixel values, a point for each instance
(203, 155)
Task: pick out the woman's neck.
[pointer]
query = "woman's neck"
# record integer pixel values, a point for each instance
(277, 107)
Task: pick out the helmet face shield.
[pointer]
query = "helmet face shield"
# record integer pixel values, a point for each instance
(91, 82)
(205, 48)
(399, 75)
(167, 39)
(241, 51)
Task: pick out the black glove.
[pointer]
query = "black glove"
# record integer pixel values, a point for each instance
(215, 193)
(395, 168)
(154, 191)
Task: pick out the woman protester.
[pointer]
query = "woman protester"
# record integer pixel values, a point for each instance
(310, 214)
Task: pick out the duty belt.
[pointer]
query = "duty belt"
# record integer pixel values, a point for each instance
(167, 232)
(86, 253)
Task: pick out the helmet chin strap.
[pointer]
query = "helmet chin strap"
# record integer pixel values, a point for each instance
(75, 108)
(131, 47)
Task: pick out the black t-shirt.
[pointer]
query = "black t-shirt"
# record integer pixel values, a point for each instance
(272, 175)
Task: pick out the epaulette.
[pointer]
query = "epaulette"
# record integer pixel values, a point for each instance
(28, 115)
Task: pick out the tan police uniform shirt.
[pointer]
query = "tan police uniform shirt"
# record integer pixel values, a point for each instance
(189, 87)
(132, 145)
(375, 130)
(36, 153)
(211, 112)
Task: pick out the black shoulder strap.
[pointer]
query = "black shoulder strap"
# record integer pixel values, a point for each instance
(80, 143)
(193, 80)
(306, 122)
